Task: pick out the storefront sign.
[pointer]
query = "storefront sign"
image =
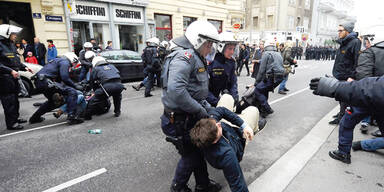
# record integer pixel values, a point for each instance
(86, 10)
(36, 15)
(128, 14)
(54, 18)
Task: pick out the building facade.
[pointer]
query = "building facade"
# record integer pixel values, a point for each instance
(170, 18)
(38, 18)
(278, 20)
(328, 14)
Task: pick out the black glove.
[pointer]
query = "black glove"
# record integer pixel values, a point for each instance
(324, 86)
(202, 114)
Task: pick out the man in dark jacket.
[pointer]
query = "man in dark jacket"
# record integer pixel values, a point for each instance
(256, 59)
(368, 97)
(223, 145)
(152, 61)
(9, 86)
(27, 47)
(85, 64)
(270, 75)
(243, 58)
(346, 60)
(39, 51)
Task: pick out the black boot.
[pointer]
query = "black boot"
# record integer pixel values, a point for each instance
(356, 146)
(15, 126)
(337, 155)
(262, 123)
(177, 188)
(212, 187)
(73, 120)
(334, 122)
(36, 120)
(21, 120)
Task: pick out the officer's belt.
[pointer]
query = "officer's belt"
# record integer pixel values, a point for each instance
(177, 116)
(115, 80)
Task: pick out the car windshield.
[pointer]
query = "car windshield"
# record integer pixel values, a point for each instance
(121, 55)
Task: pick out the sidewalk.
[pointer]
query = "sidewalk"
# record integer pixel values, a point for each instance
(323, 173)
(307, 167)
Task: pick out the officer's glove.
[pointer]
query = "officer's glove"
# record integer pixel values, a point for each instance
(79, 87)
(248, 133)
(324, 86)
(202, 114)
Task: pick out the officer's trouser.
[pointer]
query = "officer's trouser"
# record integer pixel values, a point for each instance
(151, 79)
(113, 89)
(69, 93)
(348, 123)
(250, 115)
(191, 161)
(262, 89)
(11, 106)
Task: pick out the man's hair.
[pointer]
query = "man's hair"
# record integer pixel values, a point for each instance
(50, 41)
(109, 42)
(204, 133)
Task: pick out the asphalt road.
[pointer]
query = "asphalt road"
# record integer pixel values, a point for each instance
(132, 148)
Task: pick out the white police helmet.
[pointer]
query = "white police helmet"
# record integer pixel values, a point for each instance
(72, 57)
(164, 44)
(199, 32)
(98, 60)
(89, 55)
(6, 30)
(226, 38)
(154, 41)
(88, 45)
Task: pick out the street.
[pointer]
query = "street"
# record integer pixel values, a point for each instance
(131, 154)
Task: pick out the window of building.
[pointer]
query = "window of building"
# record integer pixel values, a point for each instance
(291, 22)
(307, 4)
(101, 33)
(237, 21)
(187, 21)
(292, 2)
(256, 22)
(270, 21)
(218, 24)
(163, 27)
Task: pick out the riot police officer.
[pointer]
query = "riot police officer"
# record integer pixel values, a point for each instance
(54, 78)
(105, 81)
(85, 64)
(152, 60)
(185, 88)
(9, 66)
(270, 75)
(222, 77)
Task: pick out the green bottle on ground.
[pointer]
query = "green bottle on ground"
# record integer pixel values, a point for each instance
(94, 131)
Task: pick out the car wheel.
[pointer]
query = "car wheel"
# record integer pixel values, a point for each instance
(28, 86)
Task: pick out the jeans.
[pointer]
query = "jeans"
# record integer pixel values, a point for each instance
(283, 83)
(80, 103)
(373, 144)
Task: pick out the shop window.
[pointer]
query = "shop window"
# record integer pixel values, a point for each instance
(187, 21)
(129, 39)
(163, 27)
(101, 34)
(218, 24)
(80, 35)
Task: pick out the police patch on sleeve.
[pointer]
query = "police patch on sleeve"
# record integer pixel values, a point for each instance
(188, 55)
(201, 69)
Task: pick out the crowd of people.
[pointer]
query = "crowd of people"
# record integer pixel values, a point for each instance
(204, 116)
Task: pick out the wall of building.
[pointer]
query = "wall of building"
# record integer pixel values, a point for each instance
(49, 29)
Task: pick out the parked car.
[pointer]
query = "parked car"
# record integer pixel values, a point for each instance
(129, 63)
(26, 77)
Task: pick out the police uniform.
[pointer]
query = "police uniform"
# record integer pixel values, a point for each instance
(9, 86)
(54, 78)
(185, 87)
(152, 61)
(222, 77)
(109, 77)
(270, 75)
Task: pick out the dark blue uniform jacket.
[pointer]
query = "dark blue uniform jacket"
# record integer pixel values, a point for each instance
(222, 77)
(58, 69)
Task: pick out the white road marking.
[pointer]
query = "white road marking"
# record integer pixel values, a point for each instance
(34, 129)
(77, 180)
(277, 177)
(289, 95)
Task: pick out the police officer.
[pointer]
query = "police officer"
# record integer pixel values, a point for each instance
(270, 75)
(153, 65)
(85, 64)
(106, 81)
(9, 66)
(222, 77)
(54, 78)
(185, 88)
